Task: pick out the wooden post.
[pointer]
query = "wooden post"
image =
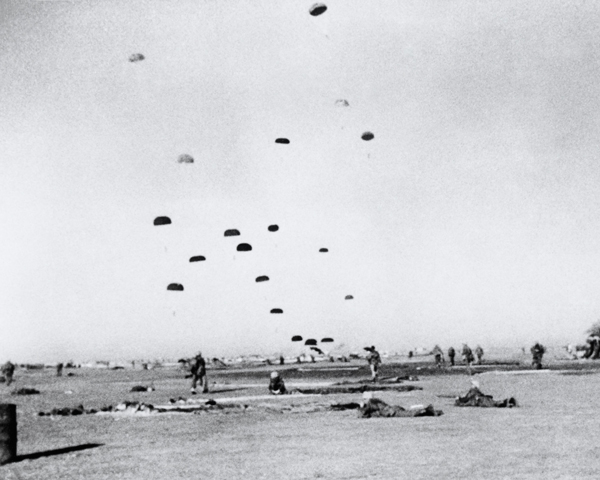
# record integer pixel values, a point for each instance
(8, 432)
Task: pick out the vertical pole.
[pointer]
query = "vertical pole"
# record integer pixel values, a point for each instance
(8, 432)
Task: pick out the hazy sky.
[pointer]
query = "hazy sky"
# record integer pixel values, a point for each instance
(473, 215)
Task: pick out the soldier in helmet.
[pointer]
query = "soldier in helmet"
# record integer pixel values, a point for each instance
(198, 371)
(277, 385)
(8, 370)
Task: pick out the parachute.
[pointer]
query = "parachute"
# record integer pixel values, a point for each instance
(244, 247)
(177, 287)
(198, 258)
(310, 341)
(317, 9)
(262, 278)
(273, 228)
(342, 103)
(326, 340)
(318, 350)
(185, 158)
(367, 136)
(349, 297)
(136, 57)
(162, 221)
(232, 233)
(277, 310)
(296, 338)
(323, 250)
(283, 141)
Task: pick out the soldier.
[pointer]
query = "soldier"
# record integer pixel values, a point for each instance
(8, 370)
(467, 354)
(537, 351)
(59, 369)
(451, 355)
(374, 360)
(479, 353)
(277, 385)
(439, 356)
(198, 371)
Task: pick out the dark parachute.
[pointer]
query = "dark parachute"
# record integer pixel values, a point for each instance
(283, 141)
(136, 57)
(273, 228)
(317, 9)
(342, 103)
(349, 297)
(326, 340)
(185, 158)
(367, 136)
(262, 278)
(162, 221)
(310, 341)
(232, 232)
(323, 250)
(198, 258)
(296, 338)
(177, 287)
(318, 350)
(244, 247)
(277, 310)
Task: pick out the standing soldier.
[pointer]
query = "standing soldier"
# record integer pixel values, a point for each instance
(59, 369)
(198, 371)
(8, 370)
(467, 354)
(537, 351)
(439, 356)
(374, 360)
(451, 355)
(479, 353)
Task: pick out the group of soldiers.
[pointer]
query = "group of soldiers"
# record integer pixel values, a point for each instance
(467, 355)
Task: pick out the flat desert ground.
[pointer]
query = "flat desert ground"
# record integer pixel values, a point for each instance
(555, 432)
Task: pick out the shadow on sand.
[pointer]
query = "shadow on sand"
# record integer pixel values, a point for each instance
(57, 451)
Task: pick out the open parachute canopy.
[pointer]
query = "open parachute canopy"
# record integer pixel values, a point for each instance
(277, 310)
(162, 221)
(177, 287)
(349, 297)
(262, 278)
(367, 136)
(232, 232)
(323, 250)
(244, 247)
(310, 341)
(296, 338)
(273, 228)
(327, 340)
(185, 158)
(283, 141)
(317, 9)
(136, 57)
(198, 258)
(342, 103)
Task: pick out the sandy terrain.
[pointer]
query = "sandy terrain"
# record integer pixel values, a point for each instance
(554, 434)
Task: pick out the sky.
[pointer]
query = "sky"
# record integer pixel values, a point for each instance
(470, 217)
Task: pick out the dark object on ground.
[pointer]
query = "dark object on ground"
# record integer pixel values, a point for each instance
(344, 406)
(25, 391)
(141, 388)
(476, 398)
(357, 389)
(8, 432)
(385, 380)
(67, 411)
(70, 374)
(378, 408)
